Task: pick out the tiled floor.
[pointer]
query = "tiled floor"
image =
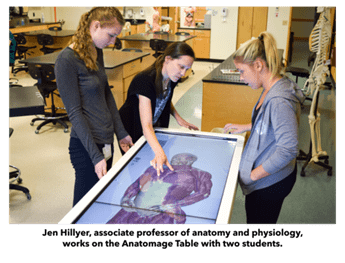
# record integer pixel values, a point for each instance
(47, 172)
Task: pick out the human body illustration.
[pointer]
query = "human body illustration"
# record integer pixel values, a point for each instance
(189, 19)
(154, 199)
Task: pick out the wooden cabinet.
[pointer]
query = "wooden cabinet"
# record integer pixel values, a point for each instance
(200, 43)
(121, 77)
(251, 22)
(199, 15)
(227, 103)
(136, 29)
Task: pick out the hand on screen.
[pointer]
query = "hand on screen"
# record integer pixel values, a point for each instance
(186, 124)
(158, 162)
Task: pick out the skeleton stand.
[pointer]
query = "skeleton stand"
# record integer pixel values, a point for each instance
(308, 157)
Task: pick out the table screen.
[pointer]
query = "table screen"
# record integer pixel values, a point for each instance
(191, 194)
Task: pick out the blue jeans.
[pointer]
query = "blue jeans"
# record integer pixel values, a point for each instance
(85, 176)
(263, 206)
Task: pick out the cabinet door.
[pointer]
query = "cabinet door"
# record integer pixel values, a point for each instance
(245, 24)
(199, 15)
(251, 22)
(191, 32)
(259, 20)
(202, 47)
(141, 28)
(133, 29)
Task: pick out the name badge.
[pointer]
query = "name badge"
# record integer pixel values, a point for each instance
(107, 151)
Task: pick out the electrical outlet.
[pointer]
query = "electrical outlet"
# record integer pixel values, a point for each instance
(285, 22)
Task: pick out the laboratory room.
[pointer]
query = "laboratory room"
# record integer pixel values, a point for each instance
(172, 115)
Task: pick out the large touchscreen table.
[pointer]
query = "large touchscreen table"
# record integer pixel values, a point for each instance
(200, 189)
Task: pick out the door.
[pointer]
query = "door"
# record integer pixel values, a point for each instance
(251, 22)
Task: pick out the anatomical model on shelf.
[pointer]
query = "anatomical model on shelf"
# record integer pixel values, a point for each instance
(189, 19)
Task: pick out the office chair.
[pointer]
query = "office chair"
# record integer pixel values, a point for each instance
(45, 76)
(118, 44)
(20, 53)
(132, 50)
(15, 176)
(158, 45)
(44, 40)
(295, 71)
(298, 72)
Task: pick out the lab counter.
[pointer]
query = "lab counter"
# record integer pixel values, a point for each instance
(194, 28)
(226, 99)
(33, 27)
(200, 190)
(217, 76)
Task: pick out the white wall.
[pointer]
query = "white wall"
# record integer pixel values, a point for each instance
(223, 33)
(71, 15)
(276, 25)
(37, 11)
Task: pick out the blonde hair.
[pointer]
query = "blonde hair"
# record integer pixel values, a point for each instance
(82, 38)
(264, 47)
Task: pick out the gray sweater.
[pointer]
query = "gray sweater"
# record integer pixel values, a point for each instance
(89, 102)
(273, 142)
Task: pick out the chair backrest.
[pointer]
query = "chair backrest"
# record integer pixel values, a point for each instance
(182, 34)
(45, 39)
(158, 44)
(132, 50)
(45, 75)
(118, 44)
(55, 28)
(20, 39)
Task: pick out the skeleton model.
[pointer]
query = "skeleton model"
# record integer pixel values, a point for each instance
(319, 41)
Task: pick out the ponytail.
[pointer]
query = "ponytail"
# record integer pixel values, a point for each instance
(263, 47)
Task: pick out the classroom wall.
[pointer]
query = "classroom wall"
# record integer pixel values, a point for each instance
(278, 25)
(223, 33)
(71, 15)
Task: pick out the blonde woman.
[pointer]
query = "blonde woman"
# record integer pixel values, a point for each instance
(267, 171)
(90, 105)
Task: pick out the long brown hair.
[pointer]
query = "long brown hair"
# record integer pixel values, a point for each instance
(263, 47)
(82, 38)
(175, 51)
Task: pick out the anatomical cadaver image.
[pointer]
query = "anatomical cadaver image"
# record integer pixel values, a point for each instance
(154, 199)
